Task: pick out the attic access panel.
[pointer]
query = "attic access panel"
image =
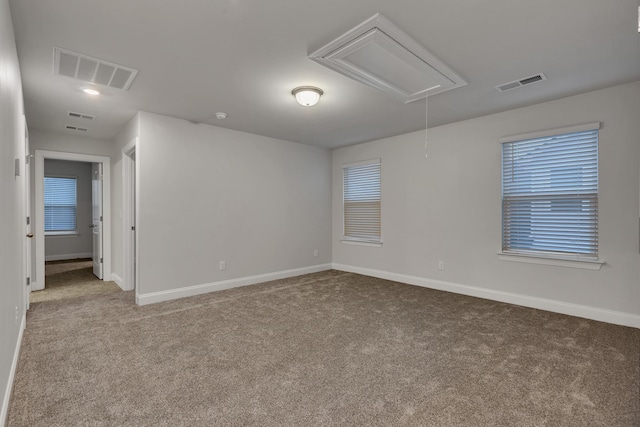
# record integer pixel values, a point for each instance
(381, 55)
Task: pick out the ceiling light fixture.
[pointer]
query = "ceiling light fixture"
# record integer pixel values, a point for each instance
(91, 92)
(307, 96)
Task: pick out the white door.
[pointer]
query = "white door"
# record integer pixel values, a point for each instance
(96, 226)
(28, 216)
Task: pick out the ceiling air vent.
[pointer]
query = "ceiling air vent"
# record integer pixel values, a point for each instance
(381, 55)
(522, 82)
(92, 70)
(76, 128)
(80, 115)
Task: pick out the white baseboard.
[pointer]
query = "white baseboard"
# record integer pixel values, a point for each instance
(4, 413)
(61, 257)
(144, 299)
(587, 312)
(118, 280)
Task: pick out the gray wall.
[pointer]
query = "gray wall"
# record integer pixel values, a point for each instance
(209, 194)
(448, 206)
(12, 212)
(80, 244)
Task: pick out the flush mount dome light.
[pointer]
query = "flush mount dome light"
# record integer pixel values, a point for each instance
(91, 92)
(307, 96)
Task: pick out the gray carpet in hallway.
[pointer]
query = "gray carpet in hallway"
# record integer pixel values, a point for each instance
(329, 348)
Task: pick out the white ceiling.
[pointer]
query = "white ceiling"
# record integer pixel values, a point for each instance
(243, 57)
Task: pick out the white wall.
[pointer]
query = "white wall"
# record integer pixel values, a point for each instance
(209, 194)
(12, 213)
(448, 207)
(59, 247)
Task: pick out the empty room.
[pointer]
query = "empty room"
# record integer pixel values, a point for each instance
(297, 213)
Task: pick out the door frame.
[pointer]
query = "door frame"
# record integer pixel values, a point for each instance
(40, 155)
(28, 216)
(130, 192)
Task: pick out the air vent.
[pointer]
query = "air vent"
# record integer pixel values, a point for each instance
(76, 128)
(92, 70)
(80, 115)
(522, 82)
(381, 55)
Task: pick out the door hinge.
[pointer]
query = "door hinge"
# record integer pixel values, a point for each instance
(100, 217)
(28, 220)
(28, 281)
(133, 228)
(100, 260)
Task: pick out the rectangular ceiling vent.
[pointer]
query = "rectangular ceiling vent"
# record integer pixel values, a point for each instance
(76, 128)
(522, 82)
(80, 115)
(92, 70)
(381, 55)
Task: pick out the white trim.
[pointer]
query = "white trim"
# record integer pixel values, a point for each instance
(371, 243)
(587, 312)
(550, 132)
(362, 163)
(118, 281)
(4, 413)
(40, 155)
(129, 205)
(189, 291)
(543, 260)
(72, 233)
(61, 257)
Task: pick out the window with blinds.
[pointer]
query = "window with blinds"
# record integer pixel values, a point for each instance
(550, 195)
(60, 196)
(362, 202)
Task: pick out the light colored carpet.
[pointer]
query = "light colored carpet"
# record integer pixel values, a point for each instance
(70, 280)
(329, 348)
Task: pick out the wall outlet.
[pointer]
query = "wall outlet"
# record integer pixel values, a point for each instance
(315, 252)
(223, 265)
(441, 265)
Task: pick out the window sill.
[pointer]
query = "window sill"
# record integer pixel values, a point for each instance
(62, 234)
(371, 243)
(558, 262)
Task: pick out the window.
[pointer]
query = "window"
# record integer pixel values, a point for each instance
(361, 202)
(550, 195)
(60, 195)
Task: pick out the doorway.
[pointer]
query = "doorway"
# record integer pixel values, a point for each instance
(100, 175)
(130, 209)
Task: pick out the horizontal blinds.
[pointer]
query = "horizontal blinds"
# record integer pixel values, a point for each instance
(60, 204)
(550, 194)
(361, 200)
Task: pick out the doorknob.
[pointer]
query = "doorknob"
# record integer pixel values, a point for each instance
(30, 235)
(92, 225)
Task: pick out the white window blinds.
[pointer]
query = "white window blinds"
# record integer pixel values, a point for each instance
(59, 204)
(550, 195)
(361, 201)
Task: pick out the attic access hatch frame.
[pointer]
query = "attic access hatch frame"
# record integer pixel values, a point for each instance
(381, 55)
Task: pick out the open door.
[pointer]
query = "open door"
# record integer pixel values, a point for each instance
(27, 208)
(96, 225)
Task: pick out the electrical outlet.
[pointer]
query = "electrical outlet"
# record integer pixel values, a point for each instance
(223, 265)
(440, 265)
(315, 252)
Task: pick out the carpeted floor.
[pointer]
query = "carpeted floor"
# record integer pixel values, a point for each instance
(71, 279)
(329, 348)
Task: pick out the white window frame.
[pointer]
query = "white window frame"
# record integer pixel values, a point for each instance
(65, 233)
(549, 258)
(353, 240)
